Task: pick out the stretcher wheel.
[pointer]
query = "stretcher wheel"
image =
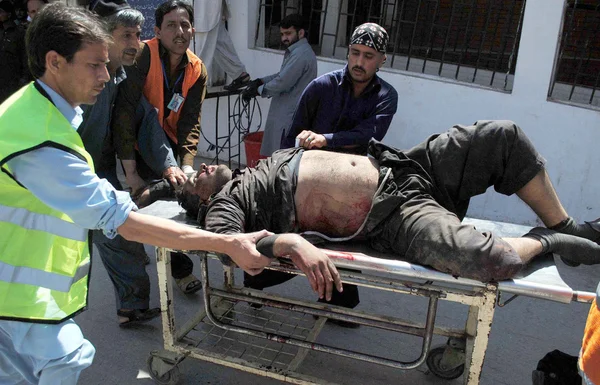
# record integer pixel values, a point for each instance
(437, 367)
(171, 377)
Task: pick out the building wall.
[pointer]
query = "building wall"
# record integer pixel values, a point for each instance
(564, 134)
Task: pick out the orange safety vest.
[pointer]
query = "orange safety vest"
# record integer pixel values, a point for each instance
(589, 361)
(155, 83)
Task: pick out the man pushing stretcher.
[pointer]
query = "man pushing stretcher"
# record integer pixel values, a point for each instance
(406, 203)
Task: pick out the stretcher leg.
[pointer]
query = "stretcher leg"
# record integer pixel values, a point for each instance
(478, 327)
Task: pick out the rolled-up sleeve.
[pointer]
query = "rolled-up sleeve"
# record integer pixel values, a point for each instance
(66, 183)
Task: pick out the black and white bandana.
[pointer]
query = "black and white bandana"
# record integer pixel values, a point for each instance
(372, 35)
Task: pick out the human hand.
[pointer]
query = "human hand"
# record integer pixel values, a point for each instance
(135, 182)
(309, 140)
(175, 176)
(318, 268)
(242, 249)
(142, 199)
(187, 170)
(251, 90)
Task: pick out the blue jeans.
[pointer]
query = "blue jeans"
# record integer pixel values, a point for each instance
(125, 263)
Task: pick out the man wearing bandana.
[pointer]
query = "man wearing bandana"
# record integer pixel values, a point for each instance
(342, 110)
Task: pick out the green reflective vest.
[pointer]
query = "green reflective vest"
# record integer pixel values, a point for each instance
(44, 256)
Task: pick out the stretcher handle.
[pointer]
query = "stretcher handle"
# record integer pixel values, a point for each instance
(265, 246)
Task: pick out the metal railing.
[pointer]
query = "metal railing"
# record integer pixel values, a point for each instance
(474, 41)
(577, 70)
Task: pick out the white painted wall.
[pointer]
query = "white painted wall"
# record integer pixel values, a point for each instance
(566, 135)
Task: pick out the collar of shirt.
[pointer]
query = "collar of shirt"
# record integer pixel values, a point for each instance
(73, 115)
(164, 56)
(374, 85)
(300, 43)
(120, 75)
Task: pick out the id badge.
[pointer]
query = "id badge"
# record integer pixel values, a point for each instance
(176, 102)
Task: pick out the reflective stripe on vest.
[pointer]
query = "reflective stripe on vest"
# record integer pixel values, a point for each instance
(41, 278)
(47, 223)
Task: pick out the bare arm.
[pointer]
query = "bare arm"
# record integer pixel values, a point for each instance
(166, 233)
(317, 267)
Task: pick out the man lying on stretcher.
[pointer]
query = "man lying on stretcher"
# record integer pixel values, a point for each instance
(406, 203)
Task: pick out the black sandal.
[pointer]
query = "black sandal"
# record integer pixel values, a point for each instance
(137, 316)
(238, 82)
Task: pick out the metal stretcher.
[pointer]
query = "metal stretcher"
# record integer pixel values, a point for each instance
(274, 341)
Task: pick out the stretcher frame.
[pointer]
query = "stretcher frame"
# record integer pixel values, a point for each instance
(541, 280)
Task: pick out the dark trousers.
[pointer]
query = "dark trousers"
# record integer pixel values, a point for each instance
(417, 216)
(348, 298)
(125, 263)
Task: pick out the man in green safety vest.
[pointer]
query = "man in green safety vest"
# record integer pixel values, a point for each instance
(50, 197)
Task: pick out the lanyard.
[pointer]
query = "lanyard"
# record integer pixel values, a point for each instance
(167, 82)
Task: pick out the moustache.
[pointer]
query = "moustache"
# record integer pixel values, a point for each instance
(359, 68)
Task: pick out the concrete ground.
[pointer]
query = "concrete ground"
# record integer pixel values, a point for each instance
(522, 333)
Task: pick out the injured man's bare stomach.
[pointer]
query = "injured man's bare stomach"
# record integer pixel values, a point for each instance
(334, 192)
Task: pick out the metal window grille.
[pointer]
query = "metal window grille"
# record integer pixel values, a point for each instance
(577, 71)
(474, 41)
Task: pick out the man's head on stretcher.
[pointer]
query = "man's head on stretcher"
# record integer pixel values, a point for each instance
(206, 181)
(396, 209)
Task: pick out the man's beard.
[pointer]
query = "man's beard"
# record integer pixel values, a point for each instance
(359, 80)
(290, 42)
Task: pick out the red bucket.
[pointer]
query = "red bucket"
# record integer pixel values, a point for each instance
(252, 144)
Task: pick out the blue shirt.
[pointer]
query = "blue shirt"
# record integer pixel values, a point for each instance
(95, 128)
(66, 183)
(329, 107)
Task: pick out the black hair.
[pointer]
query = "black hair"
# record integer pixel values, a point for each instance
(293, 20)
(62, 29)
(170, 5)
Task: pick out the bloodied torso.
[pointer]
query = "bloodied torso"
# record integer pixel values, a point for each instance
(334, 192)
(326, 192)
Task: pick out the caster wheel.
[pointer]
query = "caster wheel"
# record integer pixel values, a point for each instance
(169, 378)
(434, 363)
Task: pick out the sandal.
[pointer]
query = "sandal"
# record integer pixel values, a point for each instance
(238, 82)
(136, 316)
(189, 284)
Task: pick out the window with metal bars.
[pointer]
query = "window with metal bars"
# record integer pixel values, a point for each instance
(474, 41)
(577, 70)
